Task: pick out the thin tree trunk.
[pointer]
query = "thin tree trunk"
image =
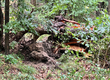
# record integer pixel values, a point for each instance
(6, 21)
(109, 7)
(101, 7)
(1, 28)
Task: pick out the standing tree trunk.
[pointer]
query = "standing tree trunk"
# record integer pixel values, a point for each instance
(109, 7)
(1, 28)
(7, 31)
(101, 7)
(33, 2)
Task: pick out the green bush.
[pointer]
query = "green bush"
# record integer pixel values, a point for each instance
(11, 59)
(68, 8)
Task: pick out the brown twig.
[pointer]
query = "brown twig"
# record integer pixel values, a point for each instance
(74, 22)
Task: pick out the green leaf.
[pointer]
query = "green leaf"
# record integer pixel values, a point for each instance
(87, 45)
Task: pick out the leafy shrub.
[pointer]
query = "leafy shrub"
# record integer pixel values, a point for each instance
(12, 44)
(100, 46)
(11, 59)
(21, 19)
(69, 8)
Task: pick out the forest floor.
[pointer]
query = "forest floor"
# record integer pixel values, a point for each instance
(71, 68)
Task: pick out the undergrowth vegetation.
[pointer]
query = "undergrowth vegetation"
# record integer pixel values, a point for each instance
(12, 68)
(27, 17)
(74, 68)
(82, 69)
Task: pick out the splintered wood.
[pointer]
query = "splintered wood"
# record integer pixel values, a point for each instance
(72, 43)
(75, 48)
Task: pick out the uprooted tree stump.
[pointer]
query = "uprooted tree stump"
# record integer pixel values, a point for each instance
(44, 51)
(38, 51)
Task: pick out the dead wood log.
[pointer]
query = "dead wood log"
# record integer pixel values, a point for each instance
(61, 19)
(74, 22)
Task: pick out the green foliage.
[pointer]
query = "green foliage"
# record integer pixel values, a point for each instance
(22, 25)
(1, 62)
(18, 76)
(101, 46)
(26, 69)
(22, 19)
(12, 44)
(63, 58)
(99, 36)
(25, 18)
(24, 77)
(11, 59)
(103, 23)
(72, 7)
(77, 70)
(63, 37)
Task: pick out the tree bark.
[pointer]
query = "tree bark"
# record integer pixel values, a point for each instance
(1, 28)
(100, 6)
(6, 21)
(33, 2)
(109, 7)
